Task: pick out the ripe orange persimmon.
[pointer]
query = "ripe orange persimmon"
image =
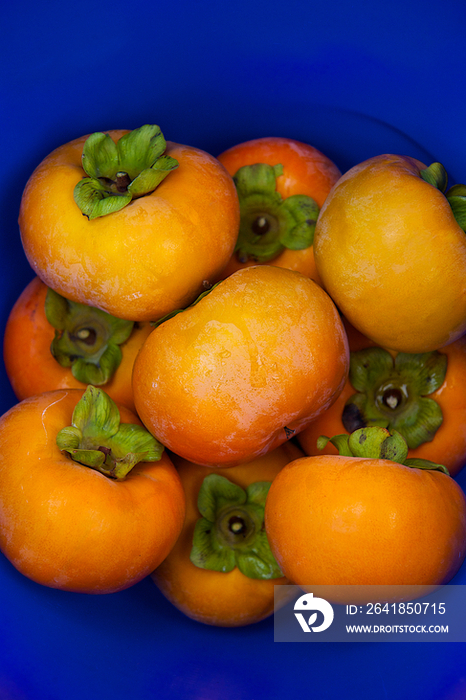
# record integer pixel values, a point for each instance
(392, 255)
(218, 592)
(274, 228)
(343, 521)
(421, 396)
(244, 369)
(33, 369)
(69, 526)
(127, 261)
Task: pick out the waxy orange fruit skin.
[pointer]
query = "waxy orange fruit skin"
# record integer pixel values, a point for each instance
(247, 367)
(67, 526)
(30, 365)
(392, 256)
(306, 170)
(129, 263)
(222, 599)
(346, 521)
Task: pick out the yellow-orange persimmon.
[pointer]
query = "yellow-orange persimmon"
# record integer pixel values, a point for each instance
(271, 230)
(415, 395)
(128, 262)
(69, 526)
(392, 255)
(341, 521)
(30, 364)
(242, 370)
(224, 597)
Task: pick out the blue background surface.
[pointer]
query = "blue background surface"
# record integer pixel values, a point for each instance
(355, 79)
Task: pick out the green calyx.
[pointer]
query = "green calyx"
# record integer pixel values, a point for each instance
(86, 339)
(394, 393)
(97, 439)
(269, 223)
(436, 175)
(378, 443)
(119, 172)
(231, 531)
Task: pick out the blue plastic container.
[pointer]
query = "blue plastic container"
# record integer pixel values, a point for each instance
(355, 79)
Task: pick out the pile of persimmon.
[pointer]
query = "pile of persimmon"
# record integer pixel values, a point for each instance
(201, 336)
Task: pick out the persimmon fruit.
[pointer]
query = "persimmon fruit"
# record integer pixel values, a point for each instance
(335, 520)
(392, 254)
(127, 261)
(29, 339)
(242, 370)
(68, 525)
(420, 395)
(282, 184)
(224, 596)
